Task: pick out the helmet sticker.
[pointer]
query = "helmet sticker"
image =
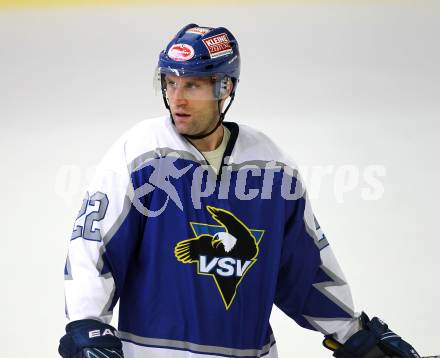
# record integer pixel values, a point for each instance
(181, 52)
(218, 45)
(198, 30)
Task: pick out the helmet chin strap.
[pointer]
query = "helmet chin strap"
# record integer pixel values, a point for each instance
(219, 122)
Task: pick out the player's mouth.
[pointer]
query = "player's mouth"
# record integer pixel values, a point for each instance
(181, 115)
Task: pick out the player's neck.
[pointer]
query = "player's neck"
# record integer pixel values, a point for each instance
(210, 142)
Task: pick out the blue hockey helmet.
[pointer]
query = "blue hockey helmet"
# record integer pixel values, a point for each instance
(202, 52)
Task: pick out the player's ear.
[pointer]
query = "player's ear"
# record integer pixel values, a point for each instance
(227, 87)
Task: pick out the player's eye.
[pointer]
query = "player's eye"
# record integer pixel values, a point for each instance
(192, 85)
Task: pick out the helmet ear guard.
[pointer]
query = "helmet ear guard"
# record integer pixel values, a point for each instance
(221, 87)
(163, 84)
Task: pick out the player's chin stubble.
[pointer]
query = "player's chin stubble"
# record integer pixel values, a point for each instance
(196, 126)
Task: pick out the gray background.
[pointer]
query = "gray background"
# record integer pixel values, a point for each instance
(335, 84)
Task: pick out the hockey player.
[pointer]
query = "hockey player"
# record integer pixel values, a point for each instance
(197, 227)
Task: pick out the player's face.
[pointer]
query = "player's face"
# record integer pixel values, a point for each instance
(192, 102)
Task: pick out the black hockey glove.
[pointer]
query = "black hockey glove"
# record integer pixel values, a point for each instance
(89, 338)
(375, 340)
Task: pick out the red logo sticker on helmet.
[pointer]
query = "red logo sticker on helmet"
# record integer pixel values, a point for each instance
(198, 30)
(218, 45)
(181, 52)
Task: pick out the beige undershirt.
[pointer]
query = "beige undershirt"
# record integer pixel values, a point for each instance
(214, 157)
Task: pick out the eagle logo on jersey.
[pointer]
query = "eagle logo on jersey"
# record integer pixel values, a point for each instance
(226, 252)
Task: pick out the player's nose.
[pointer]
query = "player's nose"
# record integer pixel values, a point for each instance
(179, 95)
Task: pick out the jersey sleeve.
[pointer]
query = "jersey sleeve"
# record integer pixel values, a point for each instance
(311, 287)
(103, 242)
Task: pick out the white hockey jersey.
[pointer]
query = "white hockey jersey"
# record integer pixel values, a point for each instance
(197, 259)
